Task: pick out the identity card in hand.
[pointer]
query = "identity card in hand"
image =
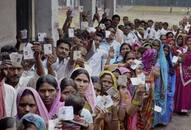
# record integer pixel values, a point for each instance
(112, 92)
(122, 80)
(71, 32)
(76, 55)
(16, 58)
(41, 37)
(66, 113)
(47, 49)
(28, 52)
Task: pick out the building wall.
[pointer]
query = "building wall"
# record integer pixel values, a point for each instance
(7, 22)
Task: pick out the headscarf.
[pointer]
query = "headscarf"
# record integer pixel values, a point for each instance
(123, 70)
(42, 111)
(2, 101)
(148, 59)
(34, 119)
(112, 76)
(90, 92)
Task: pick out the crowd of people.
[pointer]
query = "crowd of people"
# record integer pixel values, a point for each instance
(113, 76)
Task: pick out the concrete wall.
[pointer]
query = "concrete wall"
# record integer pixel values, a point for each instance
(46, 17)
(7, 22)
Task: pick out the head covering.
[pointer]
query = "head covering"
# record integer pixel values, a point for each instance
(36, 120)
(148, 59)
(90, 92)
(42, 111)
(2, 101)
(123, 70)
(56, 103)
(112, 76)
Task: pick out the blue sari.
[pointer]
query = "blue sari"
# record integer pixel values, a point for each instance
(161, 87)
(170, 91)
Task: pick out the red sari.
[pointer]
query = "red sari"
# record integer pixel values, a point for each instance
(183, 85)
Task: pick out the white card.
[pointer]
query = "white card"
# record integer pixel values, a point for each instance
(71, 32)
(84, 25)
(102, 26)
(157, 109)
(47, 49)
(76, 55)
(81, 8)
(24, 34)
(185, 50)
(133, 66)
(104, 102)
(137, 81)
(66, 113)
(52, 124)
(41, 37)
(28, 52)
(142, 78)
(112, 92)
(16, 58)
(122, 80)
(174, 59)
(107, 34)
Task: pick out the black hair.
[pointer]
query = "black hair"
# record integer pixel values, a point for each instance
(65, 41)
(100, 34)
(124, 45)
(125, 57)
(8, 49)
(76, 101)
(168, 33)
(8, 122)
(46, 79)
(169, 61)
(150, 21)
(165, 23)
(78, 72)
(95, 79)
(116, 16)
(67, 82)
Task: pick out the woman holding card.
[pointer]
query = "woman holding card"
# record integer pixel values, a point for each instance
(171, 86)
(145, 114)
(85, 87)
(183, 83)
(161, 83)
(49, 92)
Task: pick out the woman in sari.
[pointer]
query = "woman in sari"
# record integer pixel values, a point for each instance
(119, 117)
(145, 114)
(171, 86)
(85, 87)
(29, 101)
(183, 83)
(49, 91)
(161, 83)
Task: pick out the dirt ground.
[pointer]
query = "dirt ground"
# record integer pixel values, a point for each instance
(178, 123)
(165, 14)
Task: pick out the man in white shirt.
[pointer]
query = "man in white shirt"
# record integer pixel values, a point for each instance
(8, 93)
(129, 36)
(62, 53)
(164, 30)
(111, 44)
(96, 61)
(149, 33)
